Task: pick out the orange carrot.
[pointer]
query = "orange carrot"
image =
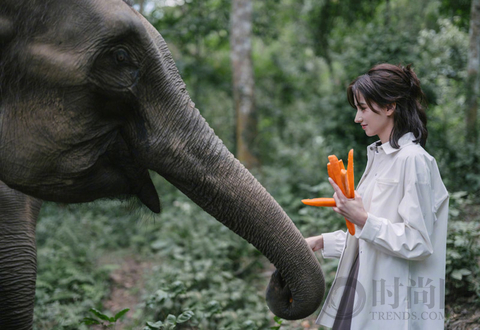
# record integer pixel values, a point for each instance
(320, 202)
(350, 179)
(344, 179)
(347, 186)
(350, 226)
(337, 175)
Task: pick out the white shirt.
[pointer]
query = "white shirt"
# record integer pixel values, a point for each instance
(401, 248)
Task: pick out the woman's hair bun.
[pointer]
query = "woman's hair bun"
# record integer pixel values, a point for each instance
(414, 82)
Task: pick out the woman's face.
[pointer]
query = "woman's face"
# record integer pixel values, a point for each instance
(378, 123)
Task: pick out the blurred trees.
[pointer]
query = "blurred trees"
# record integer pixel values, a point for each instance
(243, 81)
(472, 73)
(324, 15)
(197, 33)
(304, 55)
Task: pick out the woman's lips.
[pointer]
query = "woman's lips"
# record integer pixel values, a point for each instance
(363, 126)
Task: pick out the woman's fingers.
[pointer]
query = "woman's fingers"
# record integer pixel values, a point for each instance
(351, 208)
(315, 243)
(336, 188)
(358, 196)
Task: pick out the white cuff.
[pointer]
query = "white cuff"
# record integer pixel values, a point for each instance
(333, 244)
(369, 231)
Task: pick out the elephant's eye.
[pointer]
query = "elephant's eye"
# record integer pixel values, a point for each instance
(120, 56)
(115, 70)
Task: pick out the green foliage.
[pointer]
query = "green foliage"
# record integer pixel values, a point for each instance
(103, 317)
(170, 322)
(210, 272)
(278, 321)
(459, 9)
(201, 266)
(69, 280)
(463, 250)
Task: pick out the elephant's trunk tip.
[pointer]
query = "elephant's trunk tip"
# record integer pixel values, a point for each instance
(282, 303)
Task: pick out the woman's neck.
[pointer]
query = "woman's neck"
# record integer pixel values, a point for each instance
(384, 136)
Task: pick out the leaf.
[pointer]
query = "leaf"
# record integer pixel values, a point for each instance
(171, 320)
(100, 315)
(459, 273)
(455, 255)
(89, 321)
(278, 320)
(121, 313)
(213, 307)
(156, 325)
(161, 295)
(178, 287)
(185, 316)
(465, 271)
(249, 324)
(454, 212)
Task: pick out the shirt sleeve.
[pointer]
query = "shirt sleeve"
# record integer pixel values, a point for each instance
(333, 244)
(410, 238)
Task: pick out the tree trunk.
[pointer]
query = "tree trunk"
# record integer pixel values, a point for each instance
(243, 81)
(141, 6)
(387, 12)
(472, 77)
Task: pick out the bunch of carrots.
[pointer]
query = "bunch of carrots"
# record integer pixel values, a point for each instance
(344, 179)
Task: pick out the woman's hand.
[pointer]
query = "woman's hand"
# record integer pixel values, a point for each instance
(315, 242)
(351, 209)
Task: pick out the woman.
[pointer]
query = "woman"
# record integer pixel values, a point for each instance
(391, 273)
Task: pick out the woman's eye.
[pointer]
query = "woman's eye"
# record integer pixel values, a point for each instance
(120, 56)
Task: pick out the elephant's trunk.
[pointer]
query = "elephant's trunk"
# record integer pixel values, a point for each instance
(181, 147)
(203, 169)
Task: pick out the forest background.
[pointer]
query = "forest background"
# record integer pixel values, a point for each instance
(182, 268)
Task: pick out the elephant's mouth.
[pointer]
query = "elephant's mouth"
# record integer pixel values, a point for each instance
(140, 184)
(122, 161)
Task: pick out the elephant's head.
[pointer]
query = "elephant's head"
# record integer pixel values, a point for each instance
(90, 100)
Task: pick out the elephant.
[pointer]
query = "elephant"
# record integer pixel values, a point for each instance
(90, 102)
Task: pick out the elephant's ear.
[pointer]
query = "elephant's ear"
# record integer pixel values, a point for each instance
(7, 30)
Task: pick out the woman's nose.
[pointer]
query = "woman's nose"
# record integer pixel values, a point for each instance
(358, 117)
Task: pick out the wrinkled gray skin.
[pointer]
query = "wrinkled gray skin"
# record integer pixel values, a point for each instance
(90, 100)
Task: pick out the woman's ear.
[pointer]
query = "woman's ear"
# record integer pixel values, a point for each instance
(391, 108)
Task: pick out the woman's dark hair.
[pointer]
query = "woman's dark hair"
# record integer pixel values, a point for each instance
(385, 84)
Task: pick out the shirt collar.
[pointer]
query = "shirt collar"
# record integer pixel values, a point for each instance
(388, 149)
